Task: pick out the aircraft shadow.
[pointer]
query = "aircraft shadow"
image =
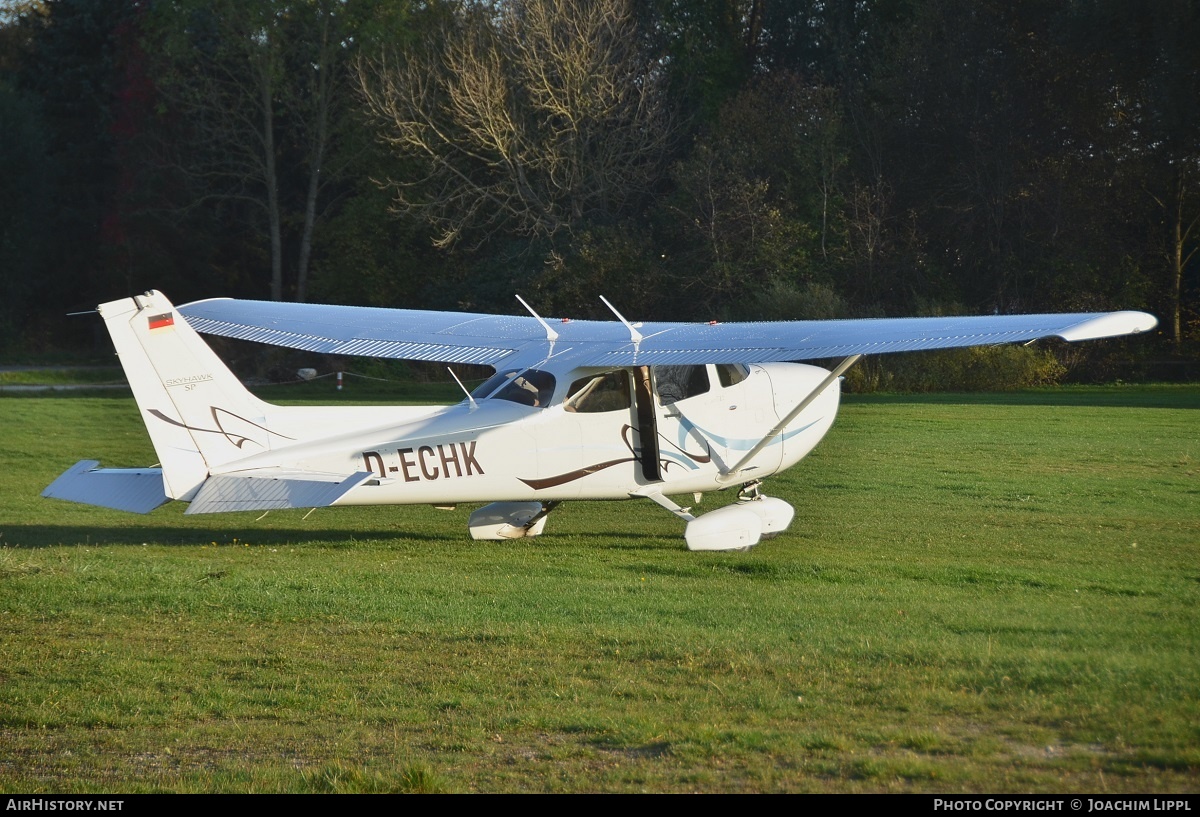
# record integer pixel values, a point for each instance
(45, 536)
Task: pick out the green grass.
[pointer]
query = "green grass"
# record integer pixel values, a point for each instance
(356, 388)
(88, 376)
(979, 593)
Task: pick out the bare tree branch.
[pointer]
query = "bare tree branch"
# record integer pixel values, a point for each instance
(533, 116)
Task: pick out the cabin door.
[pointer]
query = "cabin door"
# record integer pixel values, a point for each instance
(599, 408)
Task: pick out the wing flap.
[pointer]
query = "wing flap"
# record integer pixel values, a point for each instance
(139, 490)
(270, 490)
(403, 334)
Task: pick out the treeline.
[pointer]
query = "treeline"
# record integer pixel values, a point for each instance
(689, 159)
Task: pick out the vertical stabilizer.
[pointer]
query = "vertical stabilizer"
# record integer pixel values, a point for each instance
(198, 414)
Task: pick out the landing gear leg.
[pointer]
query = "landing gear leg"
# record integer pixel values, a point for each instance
(750, 491)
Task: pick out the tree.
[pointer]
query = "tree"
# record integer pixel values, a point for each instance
(15, 31)
(756, 206)
(71, 73)
(26, 188)
(256, 89)
(535, 117)
(711, 49)
(1151, 73)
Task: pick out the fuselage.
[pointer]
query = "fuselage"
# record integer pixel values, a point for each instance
(582, 434)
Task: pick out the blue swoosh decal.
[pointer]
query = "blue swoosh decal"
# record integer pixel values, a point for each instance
(742, 444)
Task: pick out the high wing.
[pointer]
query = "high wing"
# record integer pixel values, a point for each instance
(493, 340)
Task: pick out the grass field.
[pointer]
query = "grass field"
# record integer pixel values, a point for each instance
(979, 593)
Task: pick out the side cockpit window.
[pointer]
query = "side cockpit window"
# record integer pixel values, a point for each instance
(675, 383)
(597, 393)
(530, 387)
(730, 374)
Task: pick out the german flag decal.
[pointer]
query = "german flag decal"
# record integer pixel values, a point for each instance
(162, 321)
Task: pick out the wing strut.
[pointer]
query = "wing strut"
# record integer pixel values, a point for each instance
(731, 474)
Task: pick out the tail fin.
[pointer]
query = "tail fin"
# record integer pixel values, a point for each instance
(197, 412)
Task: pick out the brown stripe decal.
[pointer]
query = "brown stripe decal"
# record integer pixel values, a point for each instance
(571, 476)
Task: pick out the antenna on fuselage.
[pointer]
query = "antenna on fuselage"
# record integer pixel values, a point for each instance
(551, 335)
(474, 405)
(634, 334)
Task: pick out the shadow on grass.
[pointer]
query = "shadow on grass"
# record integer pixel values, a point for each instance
(41, 536)
(44, 536)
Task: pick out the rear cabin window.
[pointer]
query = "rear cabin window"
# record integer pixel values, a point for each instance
(597, 393)
(675, 383)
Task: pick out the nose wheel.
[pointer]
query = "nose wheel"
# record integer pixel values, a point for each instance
(739, 526)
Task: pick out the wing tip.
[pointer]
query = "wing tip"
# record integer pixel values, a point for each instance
(1111, 324)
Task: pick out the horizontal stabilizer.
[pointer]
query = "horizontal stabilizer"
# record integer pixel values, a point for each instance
(139, 490)
(270, 490)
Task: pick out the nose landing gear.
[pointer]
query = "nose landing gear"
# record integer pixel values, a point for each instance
(739, 526)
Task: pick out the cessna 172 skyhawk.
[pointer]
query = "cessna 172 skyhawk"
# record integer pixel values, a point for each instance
(576, 410)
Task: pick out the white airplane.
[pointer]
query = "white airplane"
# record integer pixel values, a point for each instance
(576, 410)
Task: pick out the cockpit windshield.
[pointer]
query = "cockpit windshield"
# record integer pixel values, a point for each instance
(529, 387)
(492, 383)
